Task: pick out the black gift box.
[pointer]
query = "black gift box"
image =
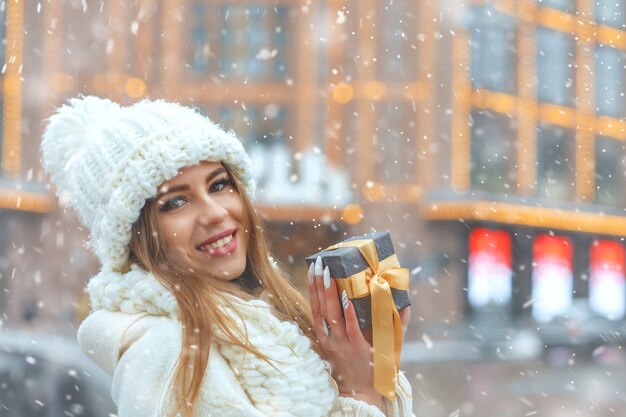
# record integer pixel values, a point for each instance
(347, 261)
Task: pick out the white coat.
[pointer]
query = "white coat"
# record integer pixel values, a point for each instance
(140, 349)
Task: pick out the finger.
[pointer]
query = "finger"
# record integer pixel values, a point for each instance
(318, 325)
(353, 331)
(367, 334)
(405, 317)
(333, 309)
(319, 286)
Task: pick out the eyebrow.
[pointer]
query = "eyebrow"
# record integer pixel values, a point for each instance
(183, 187)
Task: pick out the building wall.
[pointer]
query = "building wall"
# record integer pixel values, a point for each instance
(363, 102)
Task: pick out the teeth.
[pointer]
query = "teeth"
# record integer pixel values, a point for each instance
(219, 244)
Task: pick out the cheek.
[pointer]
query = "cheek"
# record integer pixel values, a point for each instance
(175, 232)
(235, 207)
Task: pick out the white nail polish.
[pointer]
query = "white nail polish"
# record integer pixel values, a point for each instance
(344, 300)
(318, 266)
(326, 278)
(311, 272)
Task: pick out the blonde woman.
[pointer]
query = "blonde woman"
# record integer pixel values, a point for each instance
(189, 315)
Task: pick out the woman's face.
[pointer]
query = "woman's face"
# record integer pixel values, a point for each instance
(200, 215)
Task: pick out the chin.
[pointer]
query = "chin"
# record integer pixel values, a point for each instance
(229, 274)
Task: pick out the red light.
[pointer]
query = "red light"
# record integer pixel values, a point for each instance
(556, 248)
(495, 242)
(607, 254)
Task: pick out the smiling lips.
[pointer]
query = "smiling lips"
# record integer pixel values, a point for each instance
(220, 247)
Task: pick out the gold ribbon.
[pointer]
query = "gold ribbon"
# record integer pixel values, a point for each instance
(377, 281)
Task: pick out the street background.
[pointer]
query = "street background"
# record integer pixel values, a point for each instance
(486, 135)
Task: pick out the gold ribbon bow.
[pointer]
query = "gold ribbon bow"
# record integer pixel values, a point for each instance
(377, 281)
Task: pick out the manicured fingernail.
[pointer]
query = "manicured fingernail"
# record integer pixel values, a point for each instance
(344, 300)
(326, 278)
(326, 327)
(318, 266)
(311, 272)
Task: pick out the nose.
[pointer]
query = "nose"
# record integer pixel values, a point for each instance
(211, 211)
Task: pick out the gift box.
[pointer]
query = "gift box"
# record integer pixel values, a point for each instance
(346, 261)
(367, 268)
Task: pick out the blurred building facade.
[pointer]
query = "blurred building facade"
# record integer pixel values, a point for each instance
(487, 136)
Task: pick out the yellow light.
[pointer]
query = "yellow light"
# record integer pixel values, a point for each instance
(374, 90)
(415, 91)
(557, 20)
(352, 214)
(373, 191)
(12, 84)
(411, 193)
(343, 93)
(135, 87)
(26, 201)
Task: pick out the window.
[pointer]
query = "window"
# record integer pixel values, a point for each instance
(610, 12)
(3, 37)
(610, 171)
(555, 67)
(397, 55)
(262, 129)
(609, 81)
(248, 41)
(493, 50)
(493, 152)
(3, 27)
(555, 163)
(74, 26)
(256, 124)
(1, 121)
(394, 143)
(199, 42)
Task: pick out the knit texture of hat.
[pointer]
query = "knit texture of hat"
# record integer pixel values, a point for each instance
(109, 159)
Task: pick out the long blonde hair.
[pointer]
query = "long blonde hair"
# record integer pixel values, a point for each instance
(199, 296)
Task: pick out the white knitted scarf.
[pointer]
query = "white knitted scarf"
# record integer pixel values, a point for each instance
(300, 385)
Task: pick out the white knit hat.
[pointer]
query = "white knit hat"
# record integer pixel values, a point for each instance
(109, 159)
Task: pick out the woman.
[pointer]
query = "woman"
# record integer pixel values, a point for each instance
(189, 315)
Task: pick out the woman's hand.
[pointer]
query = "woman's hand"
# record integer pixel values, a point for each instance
(341, 340)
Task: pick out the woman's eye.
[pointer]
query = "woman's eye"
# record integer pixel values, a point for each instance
(220, 184)
(172, 204)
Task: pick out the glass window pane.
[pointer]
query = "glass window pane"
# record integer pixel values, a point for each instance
(199, 42)
(563, 5)
(397, 49)
(252, 42)
(263, 124)
(493, 152)
(493, 51)
(610, 171)
(81, 34)
(555, 163)
(611, 12)
(263, 131)
(609, 77)
(1, 111)
(555, 67)
(395, 156)
(3, 26)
